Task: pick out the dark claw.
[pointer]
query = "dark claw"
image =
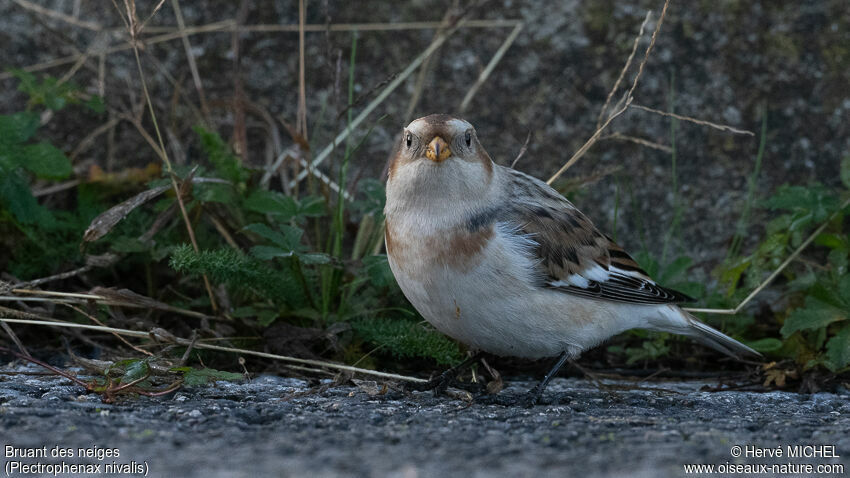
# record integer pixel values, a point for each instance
(441, 382)
(525, 400)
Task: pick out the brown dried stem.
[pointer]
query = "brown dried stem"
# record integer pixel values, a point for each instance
(168, 338)
(721, 127)
(624, 70)
(626, 104)
(132, 24)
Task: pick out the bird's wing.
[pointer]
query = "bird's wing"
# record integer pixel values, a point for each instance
(574, 257)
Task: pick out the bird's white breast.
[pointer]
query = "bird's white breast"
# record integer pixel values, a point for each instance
(489, 298)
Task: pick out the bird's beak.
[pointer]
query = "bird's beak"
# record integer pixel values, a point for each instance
(438, 150)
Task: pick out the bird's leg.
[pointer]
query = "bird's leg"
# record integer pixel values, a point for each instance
(530, 398)
(441, 382)
(533, 395)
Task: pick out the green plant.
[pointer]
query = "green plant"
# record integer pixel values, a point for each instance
(41, 238)
(815, 329)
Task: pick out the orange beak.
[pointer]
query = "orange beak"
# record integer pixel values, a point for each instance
(438, 150)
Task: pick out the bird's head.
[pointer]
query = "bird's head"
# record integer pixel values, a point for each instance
(439, 138)
(439, 155)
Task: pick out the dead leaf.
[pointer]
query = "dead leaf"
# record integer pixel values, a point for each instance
(125, 177)
(102, 224)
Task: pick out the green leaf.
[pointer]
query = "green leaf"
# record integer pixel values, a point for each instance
(378, 269)
(838, 348)
(227, 165)
(815, 315)
(214, 192)
(834, 241)
(135, 370)
(675, 271)
(312, 206)
(838, 261)
(374, 197)
(272, 202)
(241, 272)
(15, 195)
(193, 377)
(95, 103)
(266, 317)
(766, 345)
(46, 161)
(278, 238)
(128, 244)
(50, 92)
(647, 263)
(243, 312)
(17, 128)
(812, 203)
(844, 289)
(408, 339)
(267, 253)
(314, 258)
(731, 274)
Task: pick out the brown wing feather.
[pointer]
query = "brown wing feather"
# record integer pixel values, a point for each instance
(568, 244)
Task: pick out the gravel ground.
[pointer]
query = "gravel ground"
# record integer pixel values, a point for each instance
(277, 426)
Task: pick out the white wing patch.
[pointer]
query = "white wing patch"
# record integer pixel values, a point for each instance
(595, 273)
(635, 274)
(618, 285)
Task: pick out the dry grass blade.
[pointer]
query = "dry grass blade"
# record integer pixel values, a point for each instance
(32, 295)
(522, 150)
(190, 58)
(640, 141)
(141, 27)
(482, 78)
(168, 338)
(56, 188)
(129, 298)
(419, 85)
(230, 26)
(626, 104)
(721, 127)
(15, 339)
(103, 260)
(347, 27)
(89, 139)
(301, 125)
(131, 23)
(624, 70)
(649, 48)
(324, 153)
(778, 270)
(117, 336)
(58, 15)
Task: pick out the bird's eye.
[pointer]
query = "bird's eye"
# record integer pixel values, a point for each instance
(468, 138)
(408, 139)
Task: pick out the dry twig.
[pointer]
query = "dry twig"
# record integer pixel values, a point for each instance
(627, 100)
(165, 337)
(721, 127)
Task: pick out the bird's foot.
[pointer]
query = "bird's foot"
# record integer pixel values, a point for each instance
(525, 400)
(442, 382)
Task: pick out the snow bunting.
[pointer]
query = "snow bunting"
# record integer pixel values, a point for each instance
(502, 262)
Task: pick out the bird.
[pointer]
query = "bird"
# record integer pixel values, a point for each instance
(501, 262)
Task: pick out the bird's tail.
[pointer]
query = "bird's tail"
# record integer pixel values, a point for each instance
(681, 322)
